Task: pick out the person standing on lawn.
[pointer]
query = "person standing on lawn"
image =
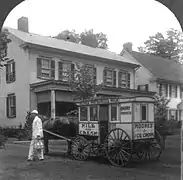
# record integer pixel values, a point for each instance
(37, 135)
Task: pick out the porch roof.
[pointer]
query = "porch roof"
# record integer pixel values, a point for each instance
(64, 86)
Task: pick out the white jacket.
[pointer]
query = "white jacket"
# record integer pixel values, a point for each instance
(37, 128)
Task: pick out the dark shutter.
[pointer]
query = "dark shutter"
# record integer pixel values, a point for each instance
(13, 73)
(95, 74)
(119, 79)
(104, 75)
(7, 80)
(72, 71)
(114, 78)
(128, 80)
(60, 68)
(170, 91)
(138, 87)
(38, 67)
(180, 93)
(7, 106)
(52, 69)
(14, 105)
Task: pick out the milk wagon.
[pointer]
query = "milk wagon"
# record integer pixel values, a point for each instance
(118, 129)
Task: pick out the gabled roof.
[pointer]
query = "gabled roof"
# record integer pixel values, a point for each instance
(161, 68)
(67, 46)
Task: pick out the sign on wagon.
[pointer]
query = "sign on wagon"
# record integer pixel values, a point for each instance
(89, 129)
(143, 130)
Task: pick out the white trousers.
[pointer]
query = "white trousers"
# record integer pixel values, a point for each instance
(33, 152)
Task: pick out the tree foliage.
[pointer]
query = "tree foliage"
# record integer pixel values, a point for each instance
(84, 82)
(169, 46)
(4, 40)
(88, 38)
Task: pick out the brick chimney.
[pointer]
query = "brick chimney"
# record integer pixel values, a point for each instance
(128, 46)
(23, 24)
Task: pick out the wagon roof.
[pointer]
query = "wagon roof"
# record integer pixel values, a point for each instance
(110, 100)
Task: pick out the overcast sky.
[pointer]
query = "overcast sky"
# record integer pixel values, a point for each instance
(121, 20)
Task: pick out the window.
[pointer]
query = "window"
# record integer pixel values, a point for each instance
(144, 112)
(10, 72)
(109, 77)
(83, 113)
(65, 69)
(124, 79)
(114, 112)
(143, 87)
(93, 113)
(93, 71)
(161, 89)
(45, 68)
(11, 105)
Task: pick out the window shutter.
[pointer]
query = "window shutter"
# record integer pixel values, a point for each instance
(52, 69)
(14, 104)
(119, 79)
(104, 75)
(7, 106)
(138, 87)
(38, 67)
(128, 80)
(114, 78)
(13, 73)
(60, 68)
(95, 74)
(180, 93)
(72, 71)
(7, 73)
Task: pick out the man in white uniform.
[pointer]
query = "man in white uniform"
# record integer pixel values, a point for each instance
(37, 133)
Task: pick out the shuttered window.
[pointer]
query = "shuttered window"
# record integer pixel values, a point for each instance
(124, 79)
(65, 71)
(45, 68)
(10, 72)
(109, 77)
(11, 106)
(93, 71)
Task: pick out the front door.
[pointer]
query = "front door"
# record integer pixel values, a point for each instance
(103, 122)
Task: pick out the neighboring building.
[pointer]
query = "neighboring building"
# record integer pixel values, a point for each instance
(160, 75)
(36, 76)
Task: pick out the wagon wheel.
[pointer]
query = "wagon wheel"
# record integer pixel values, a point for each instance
(151, 149)
(80, 148)
(97, 149)
(118, 147)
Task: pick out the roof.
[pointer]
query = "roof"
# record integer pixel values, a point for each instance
(67, 46)
(161, 68)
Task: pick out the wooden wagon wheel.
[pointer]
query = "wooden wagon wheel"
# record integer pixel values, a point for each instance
(97, 149)
(118, 147)
(80, 148)
(151, 149)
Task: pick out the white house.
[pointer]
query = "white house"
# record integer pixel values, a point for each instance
(36, 76)
(160, 75)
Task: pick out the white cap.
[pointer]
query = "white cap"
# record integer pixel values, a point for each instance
(34, 112)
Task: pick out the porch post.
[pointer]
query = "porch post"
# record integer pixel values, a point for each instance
(53, 104)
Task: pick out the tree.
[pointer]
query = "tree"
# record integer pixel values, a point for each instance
(4, 40)
(88, 38)
(70, 36)
(84, 82)
(170, 47)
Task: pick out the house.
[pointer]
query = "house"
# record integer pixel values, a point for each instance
(160, 75)
(36, 75)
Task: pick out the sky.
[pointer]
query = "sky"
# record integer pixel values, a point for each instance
(121, 20)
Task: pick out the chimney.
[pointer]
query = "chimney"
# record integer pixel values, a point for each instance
(23, 24)
(128, 46)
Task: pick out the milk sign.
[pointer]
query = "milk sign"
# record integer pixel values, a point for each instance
(126, 112)
(143, 130)
(89, 129)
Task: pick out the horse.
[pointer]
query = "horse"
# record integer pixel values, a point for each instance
(63, 126)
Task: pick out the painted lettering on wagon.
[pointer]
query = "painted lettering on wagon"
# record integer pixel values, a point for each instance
(143, 130)
(89, 129)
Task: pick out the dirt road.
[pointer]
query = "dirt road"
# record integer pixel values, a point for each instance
(57, 166)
